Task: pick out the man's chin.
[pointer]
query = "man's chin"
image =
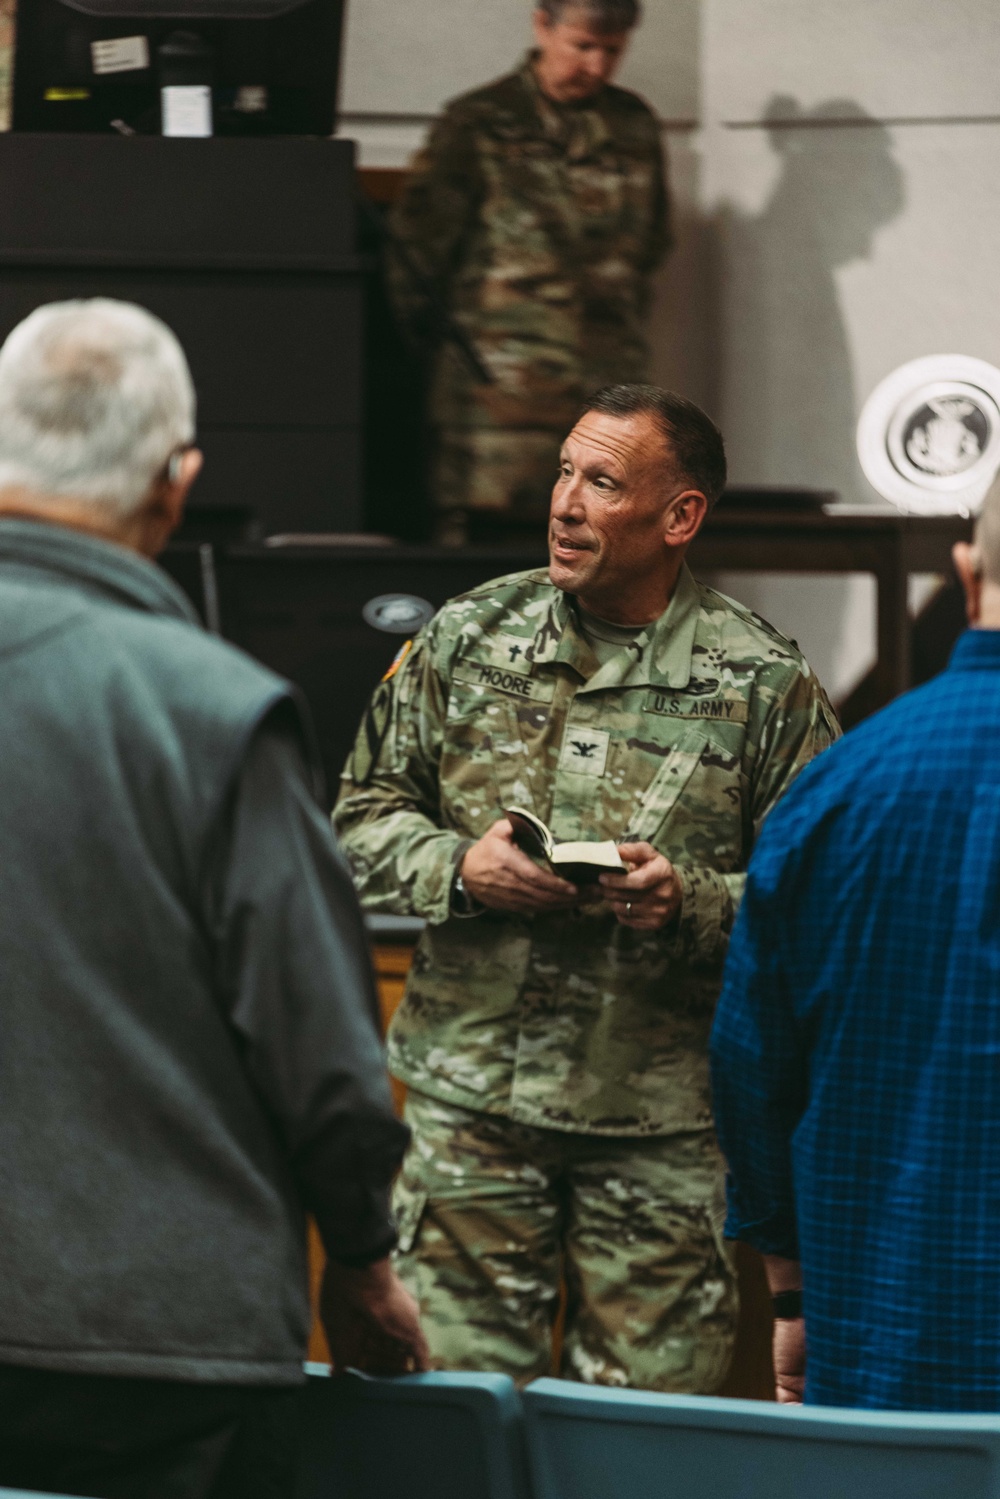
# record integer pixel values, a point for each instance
(580, 93)
(568, 576)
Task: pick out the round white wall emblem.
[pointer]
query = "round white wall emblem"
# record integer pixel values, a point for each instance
(397, 613)
(929, 434)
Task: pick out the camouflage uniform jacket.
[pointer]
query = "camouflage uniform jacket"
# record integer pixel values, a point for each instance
(540, 225)
(687, 739)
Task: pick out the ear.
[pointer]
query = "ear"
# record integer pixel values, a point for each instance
(177, 488)
(684, 518)
(966, 560)
(192, 462)
(163, 511)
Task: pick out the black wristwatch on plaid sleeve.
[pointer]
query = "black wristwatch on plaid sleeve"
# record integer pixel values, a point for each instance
(787, 1306)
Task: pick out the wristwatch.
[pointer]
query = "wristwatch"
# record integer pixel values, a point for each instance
(787, 1306)
(462, 903)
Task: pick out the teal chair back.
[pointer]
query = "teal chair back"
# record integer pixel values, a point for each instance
(587, 1443)
(24, 1494)
(422, 1436)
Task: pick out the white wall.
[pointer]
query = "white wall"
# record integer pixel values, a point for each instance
(909, 59)
(837, 183)
(856, 230)
(405, 58)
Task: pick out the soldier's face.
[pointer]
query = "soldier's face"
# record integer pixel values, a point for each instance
(612, 508)
(574, 61)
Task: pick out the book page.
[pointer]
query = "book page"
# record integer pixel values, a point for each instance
(530, 833)
(605, 855)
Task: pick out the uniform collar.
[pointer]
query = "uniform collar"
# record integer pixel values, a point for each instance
(77, 557)
(661, 656)
(672, 636)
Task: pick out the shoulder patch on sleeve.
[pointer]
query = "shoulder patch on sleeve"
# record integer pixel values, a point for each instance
(371, 736)
(398, 659)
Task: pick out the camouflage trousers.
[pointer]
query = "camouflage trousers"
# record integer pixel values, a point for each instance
(509, 471)
(494, 1215)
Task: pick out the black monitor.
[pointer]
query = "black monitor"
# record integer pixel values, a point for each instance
(230, 67)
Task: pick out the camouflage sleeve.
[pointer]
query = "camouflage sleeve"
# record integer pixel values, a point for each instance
(709, 903)
(433, 218)
(798, 725)
(386, 816)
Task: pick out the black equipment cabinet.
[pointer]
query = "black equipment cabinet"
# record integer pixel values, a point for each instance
(307, 612)
(247, 250)
(98, 65)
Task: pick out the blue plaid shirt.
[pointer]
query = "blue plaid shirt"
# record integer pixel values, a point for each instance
(856, 1049)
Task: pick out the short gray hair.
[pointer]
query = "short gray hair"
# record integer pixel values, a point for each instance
(605, 16)
(694, 441)
(95, 396)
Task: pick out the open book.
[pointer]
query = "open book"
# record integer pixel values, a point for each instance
(579, 862)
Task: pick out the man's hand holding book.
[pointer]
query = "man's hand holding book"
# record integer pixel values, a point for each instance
(518, 866)
(501, 877)
(649, 896)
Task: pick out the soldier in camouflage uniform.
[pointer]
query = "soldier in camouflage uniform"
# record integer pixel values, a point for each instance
(537, 211)
(555, 1040)
(8, 13)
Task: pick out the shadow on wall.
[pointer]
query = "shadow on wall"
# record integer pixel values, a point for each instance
(788, 388)
(786, 393)
(682, 333)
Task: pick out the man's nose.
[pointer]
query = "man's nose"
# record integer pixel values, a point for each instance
(567, 505)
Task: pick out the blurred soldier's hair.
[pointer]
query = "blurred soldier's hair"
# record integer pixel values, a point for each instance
(95, 399)
(605, 16)
(696, 448)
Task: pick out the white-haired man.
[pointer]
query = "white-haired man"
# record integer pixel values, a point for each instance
(190, 1057)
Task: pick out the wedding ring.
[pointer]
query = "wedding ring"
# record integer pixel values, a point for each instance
(628, 908)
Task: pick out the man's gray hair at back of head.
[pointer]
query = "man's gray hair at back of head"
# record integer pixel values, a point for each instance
(95, 396)
(605, 16)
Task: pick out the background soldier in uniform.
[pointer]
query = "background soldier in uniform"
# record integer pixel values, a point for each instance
(555, 1040)
(537, 212)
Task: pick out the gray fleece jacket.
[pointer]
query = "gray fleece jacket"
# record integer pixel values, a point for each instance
(189, 1051)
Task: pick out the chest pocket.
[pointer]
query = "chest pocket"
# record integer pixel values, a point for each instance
(667, 786)
(494, 741)
(521, 755)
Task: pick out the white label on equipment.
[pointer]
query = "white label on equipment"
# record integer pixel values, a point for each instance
(120, 54)
(187, 109)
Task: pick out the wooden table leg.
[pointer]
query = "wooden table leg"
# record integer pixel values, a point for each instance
(892, 668)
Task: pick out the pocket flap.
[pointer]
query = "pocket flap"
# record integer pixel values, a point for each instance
(664, 790)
